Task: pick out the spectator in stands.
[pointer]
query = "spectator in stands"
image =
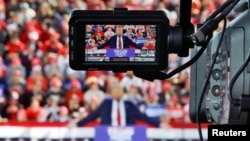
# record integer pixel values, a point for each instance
(13, 20)
(186, 116)
(175, 110)
(111, 80)
(111, 4)
(161, 6)
(26, 13)
(3, 88)
(52, 109)
(3, 82)
(3, 91)
(73, 106)
(99, 31)
(45, 11)
(74, 89)
(21, 114)
(36, 92)
(167, 93)
(55, 88)
(151, 107)
(196, 10)
(130, 4)
(61, 8)
(64, 30)
(53, 45)
(79, 5)
(12, 107)
(109, 32)
(14, 46)
(174, 61)
(165, 120)
(130, 79)
(129, 32)
(3, 35)
(116, 111)
(2, 10)
(35, 111)
(52, 67)
(13, 5)
(70, 75)
(30, 35)
(93, 90)
(147, 5)
(30, 39)
(96, 5)
(35, 77)
(134, 94)
(148, 46)
(17, 82)
(64, 114)
(140, 39)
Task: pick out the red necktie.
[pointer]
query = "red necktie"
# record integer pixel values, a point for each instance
(119, 42)
(118, 116)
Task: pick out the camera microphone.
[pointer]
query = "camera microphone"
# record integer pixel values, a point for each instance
(204, 31)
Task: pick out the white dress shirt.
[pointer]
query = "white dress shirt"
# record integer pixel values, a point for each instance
(115, 105)
(117, 42)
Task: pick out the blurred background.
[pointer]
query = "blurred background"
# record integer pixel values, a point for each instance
(38, 89)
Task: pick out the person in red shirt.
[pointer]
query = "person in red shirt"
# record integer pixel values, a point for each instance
(34, 111)
(53, 44)
(91, 45)
(99, 31)
(2, 3)
(96, 5)
(30, 33)
(3, 34)
(130, 4)
(13, 107)
(36, 76)
(15, 45)
(148, 46)
(175, 110)
(75, 88)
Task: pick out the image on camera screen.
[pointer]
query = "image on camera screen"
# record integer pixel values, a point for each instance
(120, 43)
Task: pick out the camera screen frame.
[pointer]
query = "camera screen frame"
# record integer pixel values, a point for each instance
(81, 18)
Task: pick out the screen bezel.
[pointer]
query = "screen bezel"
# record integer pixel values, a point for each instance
(77, 44)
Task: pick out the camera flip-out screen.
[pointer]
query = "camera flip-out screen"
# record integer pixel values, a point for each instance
(126, 40)
(120, 43)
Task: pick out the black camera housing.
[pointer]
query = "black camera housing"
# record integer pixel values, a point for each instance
(79, 55)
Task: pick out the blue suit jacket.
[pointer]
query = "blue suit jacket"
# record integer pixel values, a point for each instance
(113, 40)
(104, 112)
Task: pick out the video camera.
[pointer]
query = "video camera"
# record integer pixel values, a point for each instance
(93, 45)
(91, 49)
(226, 99)
(87, 27)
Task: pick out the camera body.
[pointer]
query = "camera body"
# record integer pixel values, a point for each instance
(234, 50)
(90, 48)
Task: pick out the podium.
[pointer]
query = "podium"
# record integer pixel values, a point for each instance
(119, 133)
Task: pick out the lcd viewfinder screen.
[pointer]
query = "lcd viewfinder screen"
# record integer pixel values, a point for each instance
(120, 43)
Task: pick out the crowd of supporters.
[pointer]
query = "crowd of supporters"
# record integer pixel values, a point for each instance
(37, 84)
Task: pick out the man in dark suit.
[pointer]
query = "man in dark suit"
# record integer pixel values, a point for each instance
(117, 112)
(119, 41)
